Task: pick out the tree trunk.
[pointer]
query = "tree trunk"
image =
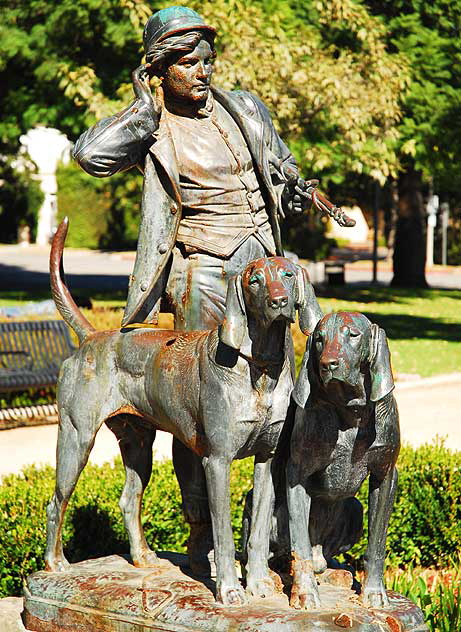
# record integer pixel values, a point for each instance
(410, 237)
(390, 218)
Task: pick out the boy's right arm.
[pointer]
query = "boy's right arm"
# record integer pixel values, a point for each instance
(119, 142)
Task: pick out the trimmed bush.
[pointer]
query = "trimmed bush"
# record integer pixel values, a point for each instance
(425, 527)
(103, 213)
(86, 202)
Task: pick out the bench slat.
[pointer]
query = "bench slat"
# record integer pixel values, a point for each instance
(31, 353)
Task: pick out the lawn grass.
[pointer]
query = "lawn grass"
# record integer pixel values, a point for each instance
(423, 326)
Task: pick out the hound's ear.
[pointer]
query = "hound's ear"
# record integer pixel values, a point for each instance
(302, 388)
(234, 325)
(382, 381)
(308, 308)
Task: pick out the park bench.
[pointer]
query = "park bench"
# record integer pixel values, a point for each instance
(31, 353)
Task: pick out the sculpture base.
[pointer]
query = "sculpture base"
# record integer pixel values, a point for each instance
(110, 595)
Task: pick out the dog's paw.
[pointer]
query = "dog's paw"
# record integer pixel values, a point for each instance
(260, 586)
(56, 564)
(231, 595)
(375, 596)
(145, 559)
(305, 593)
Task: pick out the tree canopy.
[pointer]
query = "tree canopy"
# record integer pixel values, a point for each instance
(321, 67)
(428, 35)
(369, 88)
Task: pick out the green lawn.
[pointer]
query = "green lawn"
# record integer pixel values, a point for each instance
(423, 326)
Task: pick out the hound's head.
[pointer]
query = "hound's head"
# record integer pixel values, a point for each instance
(348, 357)
(268, 290)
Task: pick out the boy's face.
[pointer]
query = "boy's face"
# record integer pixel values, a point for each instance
(188, 79)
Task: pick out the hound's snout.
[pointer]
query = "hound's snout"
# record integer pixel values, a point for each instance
(277, 295)
(278, 302)
(329, 364)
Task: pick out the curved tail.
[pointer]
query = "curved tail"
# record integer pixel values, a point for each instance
(62, 297)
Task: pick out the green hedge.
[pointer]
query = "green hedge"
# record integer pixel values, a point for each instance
(103, 212)
(86, 201)
(425, 526)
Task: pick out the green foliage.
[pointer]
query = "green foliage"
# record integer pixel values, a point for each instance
(438, 595)
(305, 235)
(428, 35)
(322, 69)
(64, 64)
(93, 523)
(20, 198)
(29, 397)
(425, 527)
(49, 51)
(86, 202)
(102, 213)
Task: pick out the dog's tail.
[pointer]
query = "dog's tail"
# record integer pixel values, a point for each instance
(65, 304)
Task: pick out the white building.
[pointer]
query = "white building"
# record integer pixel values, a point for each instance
(47, 147)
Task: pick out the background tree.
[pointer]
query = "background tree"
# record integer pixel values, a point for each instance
(428, 34)
(322, 68)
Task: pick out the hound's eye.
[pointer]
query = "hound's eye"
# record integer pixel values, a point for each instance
(254, 280)
(287, 273)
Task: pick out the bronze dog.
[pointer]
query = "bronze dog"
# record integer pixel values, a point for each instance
(345, 429)
(223, 393)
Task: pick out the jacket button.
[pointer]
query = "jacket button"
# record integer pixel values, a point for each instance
(174, 209)
(162, 248)
(143, 287)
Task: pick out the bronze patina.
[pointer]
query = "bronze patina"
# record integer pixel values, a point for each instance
(223, 393)
(218, 180)
(346, 428)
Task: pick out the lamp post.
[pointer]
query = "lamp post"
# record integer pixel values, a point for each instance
(432, 208)
(445, 212)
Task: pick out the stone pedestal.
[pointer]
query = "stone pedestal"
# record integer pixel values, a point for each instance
(110, 595)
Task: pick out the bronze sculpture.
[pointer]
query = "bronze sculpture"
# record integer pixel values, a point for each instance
(345, 428)
(217, 182)
(223, 393)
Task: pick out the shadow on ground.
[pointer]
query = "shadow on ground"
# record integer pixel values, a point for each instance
(15, 278)
(365, 293)
(406, 327)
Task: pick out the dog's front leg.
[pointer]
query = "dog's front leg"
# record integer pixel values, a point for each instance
(304, 592)
(380, 501)
(259, 582)
(228, 588)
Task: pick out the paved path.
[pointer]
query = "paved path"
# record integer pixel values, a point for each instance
(25, 267)
(428, 407)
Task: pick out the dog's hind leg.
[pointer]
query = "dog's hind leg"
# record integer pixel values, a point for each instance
(75, 441)
(135, 438)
